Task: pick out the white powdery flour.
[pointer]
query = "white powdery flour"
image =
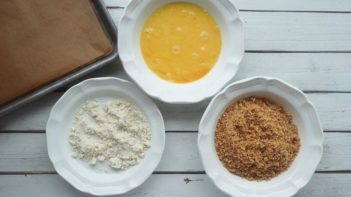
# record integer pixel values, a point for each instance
(114, 131)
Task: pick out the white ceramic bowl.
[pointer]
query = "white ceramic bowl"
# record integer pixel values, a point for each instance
(304, 116)
(101, 179)
(227, 18)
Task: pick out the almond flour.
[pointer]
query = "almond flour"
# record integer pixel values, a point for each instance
(256, 139)
(114, 131)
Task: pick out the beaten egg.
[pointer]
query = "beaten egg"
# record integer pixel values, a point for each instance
(180, 42)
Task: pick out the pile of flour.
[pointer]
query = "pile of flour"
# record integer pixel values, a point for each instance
(114, 131)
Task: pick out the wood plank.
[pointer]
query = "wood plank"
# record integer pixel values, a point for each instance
(116, 14)
(286, 31)
(292, 5)
(156, 185)
(24, 152)
(334, 111)
(116, 3)
(281, 5)
(338, 107)
(336, 149)
(161, 185)
(297, 31)
(307, 71)
(21, 152)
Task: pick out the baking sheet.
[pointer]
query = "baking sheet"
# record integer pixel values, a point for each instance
(111, 31)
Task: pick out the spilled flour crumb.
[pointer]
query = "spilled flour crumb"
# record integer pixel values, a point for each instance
(114, 131)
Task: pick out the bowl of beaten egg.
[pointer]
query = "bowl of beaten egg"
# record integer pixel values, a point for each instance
(181, 51)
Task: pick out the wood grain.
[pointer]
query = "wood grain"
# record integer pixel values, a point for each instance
(27, 153)
(330, 71)
(306, 43)
(334, 111)
(160, 185)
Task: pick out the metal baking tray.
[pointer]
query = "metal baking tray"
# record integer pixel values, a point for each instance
(111, 31)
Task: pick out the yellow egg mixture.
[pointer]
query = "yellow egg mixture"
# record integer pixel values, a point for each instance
(180, 42)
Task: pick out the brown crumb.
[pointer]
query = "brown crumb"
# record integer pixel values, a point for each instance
(256, 139)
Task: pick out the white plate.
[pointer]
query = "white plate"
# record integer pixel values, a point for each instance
(304, 116)
(227, 18)
(101, 179)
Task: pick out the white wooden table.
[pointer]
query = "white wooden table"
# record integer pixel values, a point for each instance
(306, 43)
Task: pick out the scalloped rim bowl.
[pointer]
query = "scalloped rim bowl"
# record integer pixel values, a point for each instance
(304, 116)
(232, 51)
(101, 179)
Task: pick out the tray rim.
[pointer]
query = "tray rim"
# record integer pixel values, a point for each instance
(111, 30)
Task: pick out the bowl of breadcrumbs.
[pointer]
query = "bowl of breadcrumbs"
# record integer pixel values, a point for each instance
(260, 137)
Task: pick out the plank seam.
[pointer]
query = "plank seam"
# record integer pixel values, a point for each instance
(326, 92)
(64, 89)
(334, 172)
(43, 131)
(341, 131)
(288, 51)
(54, 172)
(297, 11)
(179, 172)
(182, 131)
(22, 131)
(159, 172)
(172, 131)
(283, 11)
(114, 7)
